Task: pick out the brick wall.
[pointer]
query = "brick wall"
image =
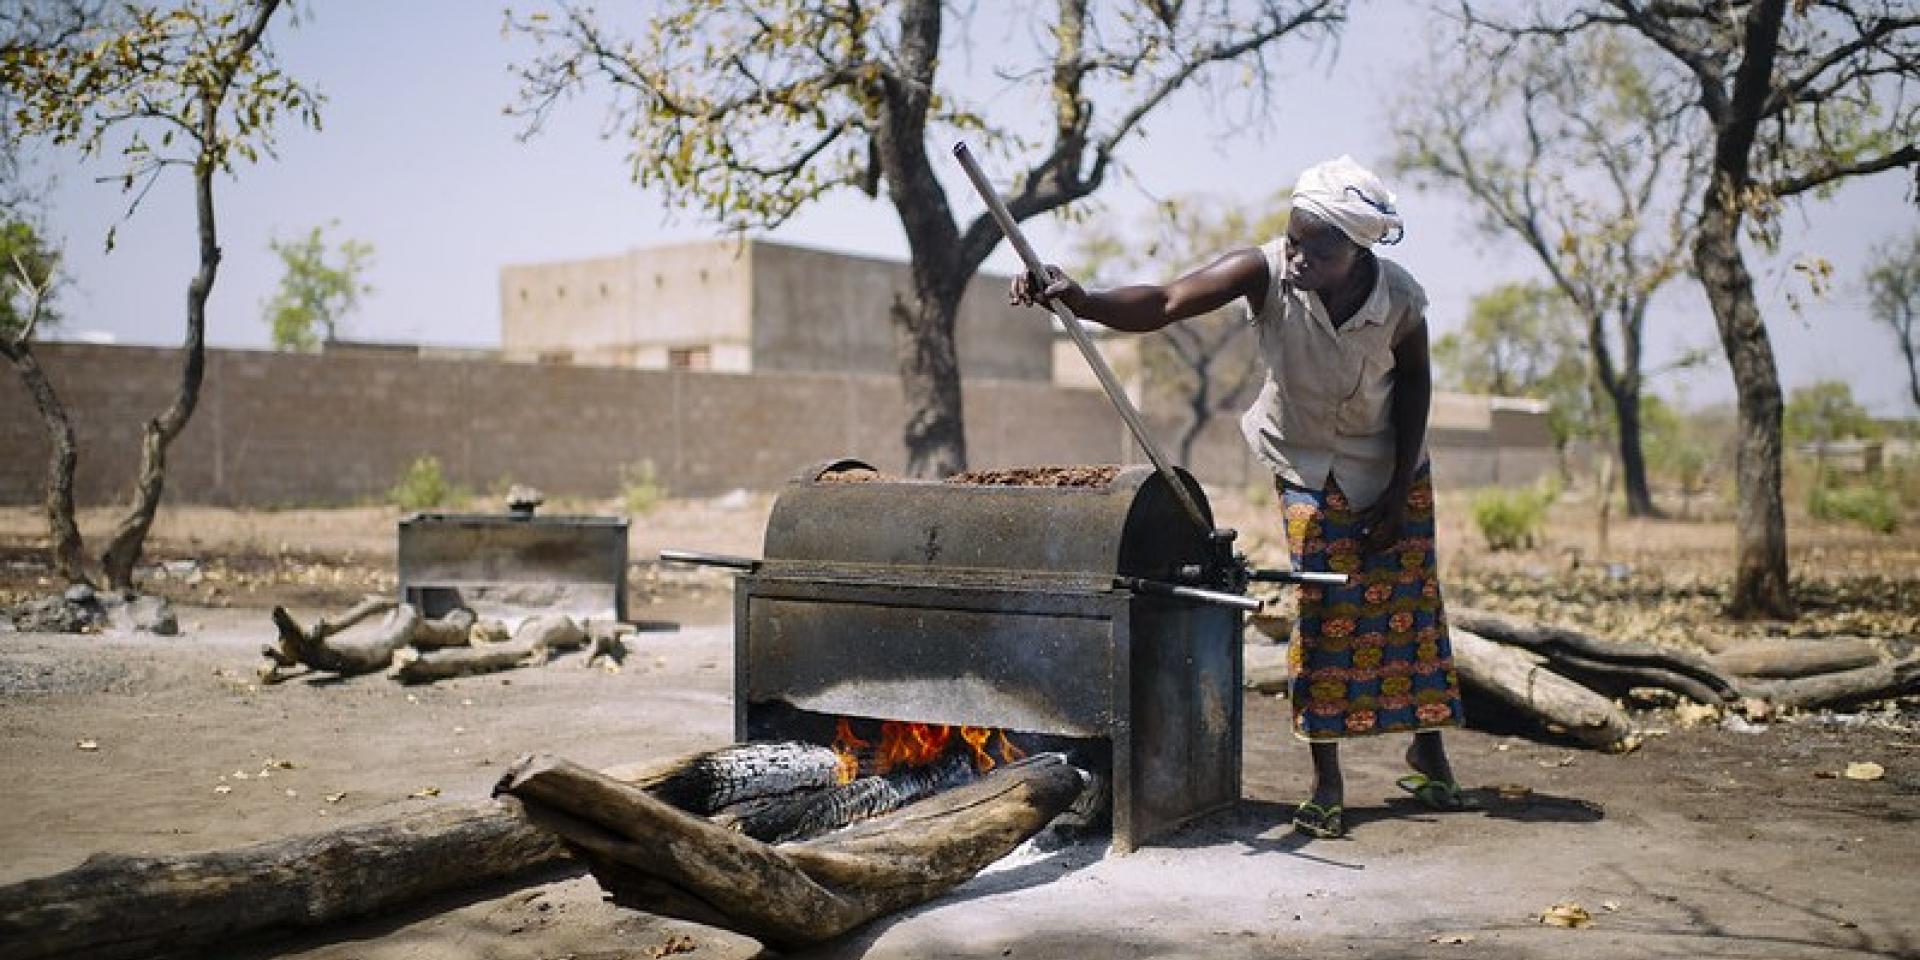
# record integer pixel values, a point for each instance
(278, 429)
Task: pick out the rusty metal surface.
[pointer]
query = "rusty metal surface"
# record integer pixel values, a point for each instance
(1132, 526)
(1042, 663)
(505, 566)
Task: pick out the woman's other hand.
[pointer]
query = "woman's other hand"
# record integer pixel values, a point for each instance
(1384, 520)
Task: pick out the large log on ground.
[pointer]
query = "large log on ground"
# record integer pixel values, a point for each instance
(1784, 657)
(1522, 681)
(453, 630)
(652, 856)
(411, 665)
(1607, 664)
(1847, 688)
(117, 906)
(316, 649)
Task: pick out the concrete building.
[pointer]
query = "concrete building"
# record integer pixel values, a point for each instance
(749, 306)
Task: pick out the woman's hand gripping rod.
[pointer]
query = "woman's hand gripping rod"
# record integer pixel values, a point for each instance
(1072, 323)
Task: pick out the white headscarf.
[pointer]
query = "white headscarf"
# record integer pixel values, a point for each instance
(1350, 197)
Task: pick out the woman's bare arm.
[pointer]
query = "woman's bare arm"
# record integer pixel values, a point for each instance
(1139, 308)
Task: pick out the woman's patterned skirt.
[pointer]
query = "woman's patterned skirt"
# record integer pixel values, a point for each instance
(1372, 656)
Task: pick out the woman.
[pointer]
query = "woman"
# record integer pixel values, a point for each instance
(1342, 422)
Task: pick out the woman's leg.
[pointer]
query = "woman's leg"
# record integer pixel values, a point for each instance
(1329, 790)
(1428, 755)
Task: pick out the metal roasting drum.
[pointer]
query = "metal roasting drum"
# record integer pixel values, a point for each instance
(1009, 607)
(1079, 535)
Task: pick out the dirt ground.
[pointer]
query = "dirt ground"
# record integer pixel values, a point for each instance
(1709, 841)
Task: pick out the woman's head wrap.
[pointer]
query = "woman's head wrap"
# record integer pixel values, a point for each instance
(1349, 196)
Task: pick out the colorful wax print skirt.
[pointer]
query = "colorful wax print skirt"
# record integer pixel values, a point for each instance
(1372, 656)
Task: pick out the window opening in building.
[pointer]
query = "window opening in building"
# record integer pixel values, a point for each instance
(690, 358)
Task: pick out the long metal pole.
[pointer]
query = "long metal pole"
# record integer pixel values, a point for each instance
(1104, 373)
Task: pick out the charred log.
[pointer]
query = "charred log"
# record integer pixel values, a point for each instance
(710, 782)
(815, 813)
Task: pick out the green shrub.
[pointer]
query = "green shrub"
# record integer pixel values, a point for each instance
(640, 488)
(1512, 518)
(422, 487)
(1875, 508)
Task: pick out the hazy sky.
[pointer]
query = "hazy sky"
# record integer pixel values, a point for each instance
(417, 158)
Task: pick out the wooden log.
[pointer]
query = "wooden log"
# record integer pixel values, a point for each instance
(652, 856)
(1684, 673)
(1614, 680)
(316, 649)
(1783, 657)
(1846, 688)
(412, 665)
(117, 906)
(453, 630)
(554, 631)
(606, 644)
(1521, 680)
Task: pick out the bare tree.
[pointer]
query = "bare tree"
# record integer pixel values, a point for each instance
(1796, 98)
(191, 86)
(749, 110)
(23, 312)
(1893, 281)
(1565, 145)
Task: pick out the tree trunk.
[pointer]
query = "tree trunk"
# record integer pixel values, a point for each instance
(653, 857)
(69, 558)
(115, 906)
(1633, 459)
(1760, 589)
(935, 434)
(130, 537)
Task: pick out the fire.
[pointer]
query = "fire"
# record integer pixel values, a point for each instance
(905, 744)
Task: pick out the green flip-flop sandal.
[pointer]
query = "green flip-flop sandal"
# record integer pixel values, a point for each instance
(1314, 820)
(1434, 794)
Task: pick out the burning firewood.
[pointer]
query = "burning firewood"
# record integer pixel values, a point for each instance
(652, 856)
(708, 783)
(785, 819)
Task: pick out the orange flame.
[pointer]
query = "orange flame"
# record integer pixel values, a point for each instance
(848, 746)
(905, 744)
